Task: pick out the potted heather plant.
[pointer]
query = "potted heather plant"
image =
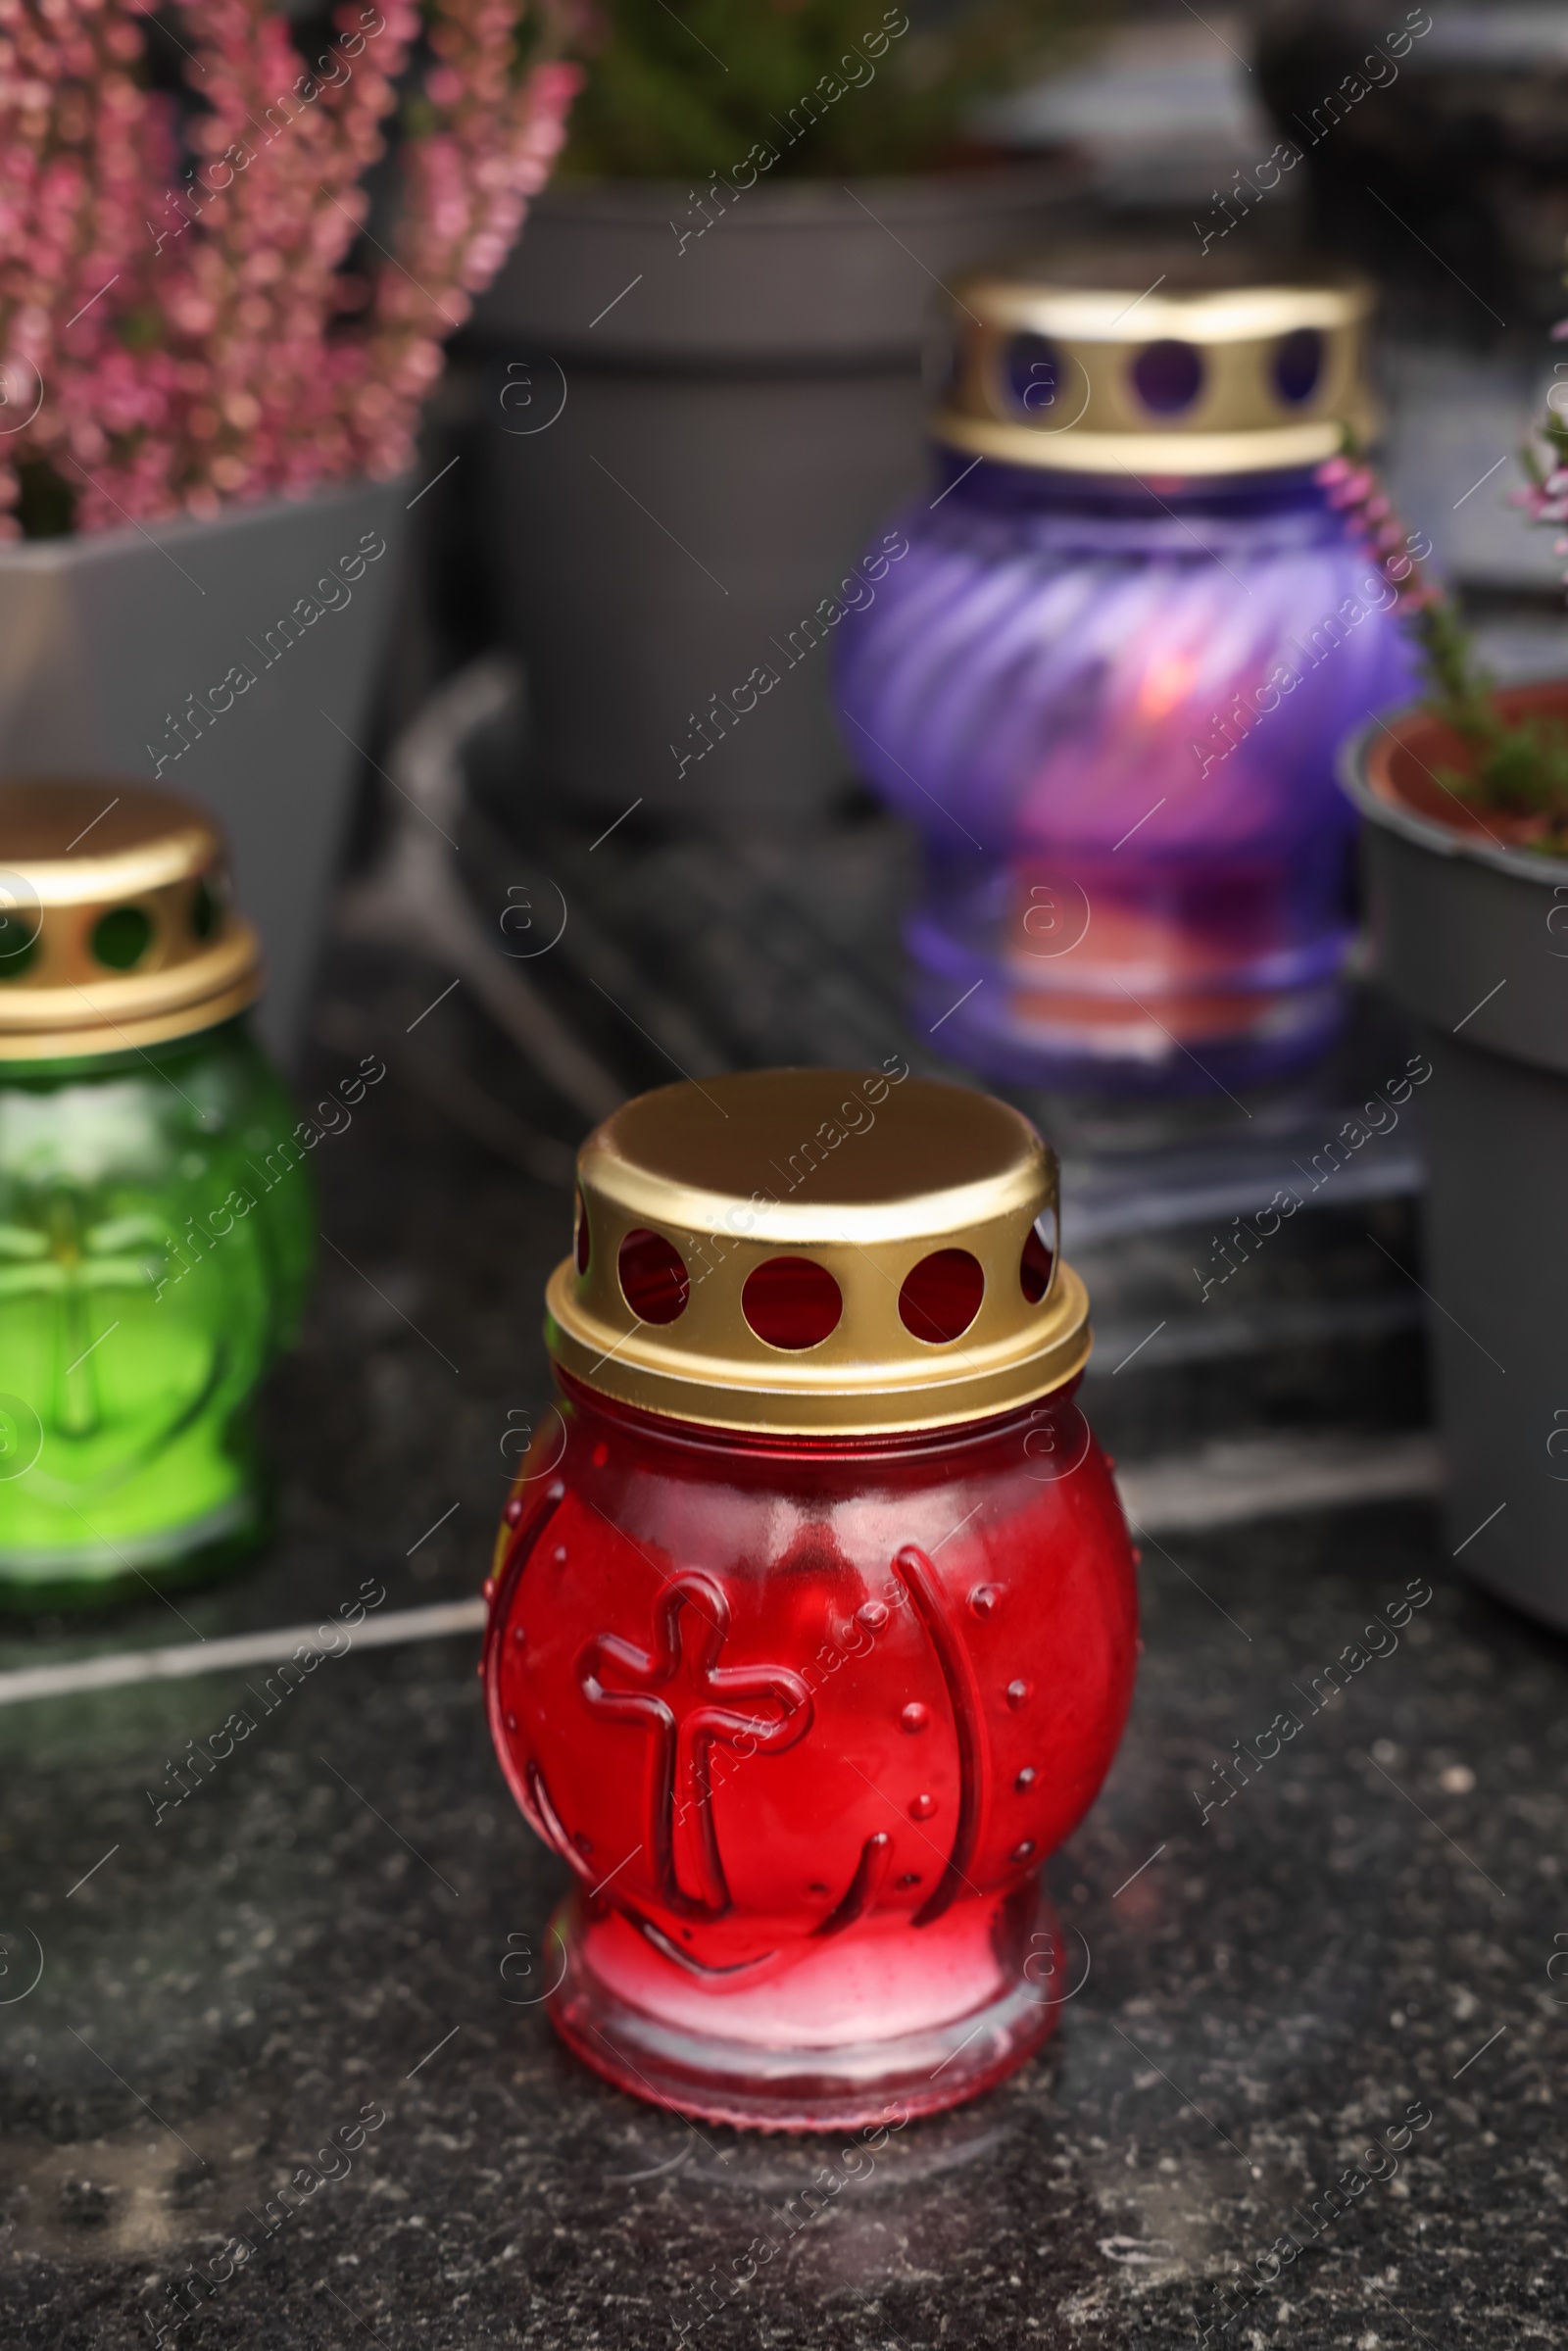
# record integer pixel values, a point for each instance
(734, 271)
(1466, 805)
(211, 364)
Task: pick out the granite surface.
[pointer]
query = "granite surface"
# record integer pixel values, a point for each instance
(347, 1920)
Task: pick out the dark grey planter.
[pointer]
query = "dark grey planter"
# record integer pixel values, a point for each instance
(699, 443)
(1472, 939)
(105, 639)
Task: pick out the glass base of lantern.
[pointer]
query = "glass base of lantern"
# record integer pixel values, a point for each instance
(873, 2027)
(1157, 1046)
(1116, 999)
(127, 1566)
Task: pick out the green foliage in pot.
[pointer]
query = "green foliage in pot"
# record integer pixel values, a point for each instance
(1518, 767)
(824, 87)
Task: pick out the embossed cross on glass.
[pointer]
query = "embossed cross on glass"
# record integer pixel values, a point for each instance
(680, 1836)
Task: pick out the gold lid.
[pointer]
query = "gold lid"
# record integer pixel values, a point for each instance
(115, 928)
(1157, 363)
(893, 1238)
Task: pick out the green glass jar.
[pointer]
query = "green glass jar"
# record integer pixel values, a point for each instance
(157, 1216)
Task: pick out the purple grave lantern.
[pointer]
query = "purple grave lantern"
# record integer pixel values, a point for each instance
(1109, 679)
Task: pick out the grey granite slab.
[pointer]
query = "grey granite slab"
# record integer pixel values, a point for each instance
(349, 1914)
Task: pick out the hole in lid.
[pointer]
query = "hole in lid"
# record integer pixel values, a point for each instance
(122, 936)
(792, 1301)
(1168, 375)
(654, 1281)
(1034, 372)
(16, 950)
(941, 1295)
(582, 1241)
(1298, 364)
(206, 908)
(1039, 1260)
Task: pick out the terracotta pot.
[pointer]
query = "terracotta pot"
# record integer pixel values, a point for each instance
(1471, 931)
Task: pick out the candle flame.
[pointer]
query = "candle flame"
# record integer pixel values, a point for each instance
(1166, 682)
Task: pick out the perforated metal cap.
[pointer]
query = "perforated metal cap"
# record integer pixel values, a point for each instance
(115, 928)
(833, 1250)
(1157, 362)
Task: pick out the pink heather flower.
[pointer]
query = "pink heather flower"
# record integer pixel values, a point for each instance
(1355, 490)
(188, 318)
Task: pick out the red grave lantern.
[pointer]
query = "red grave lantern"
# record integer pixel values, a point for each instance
(813, 1624)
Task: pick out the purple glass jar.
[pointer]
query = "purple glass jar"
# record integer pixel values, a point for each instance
(1109, 679)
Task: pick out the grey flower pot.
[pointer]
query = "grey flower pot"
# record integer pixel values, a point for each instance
(112, 646)
(695, 443)
(1472, 939)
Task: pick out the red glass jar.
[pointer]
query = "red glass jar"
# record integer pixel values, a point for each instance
(802, 1666)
